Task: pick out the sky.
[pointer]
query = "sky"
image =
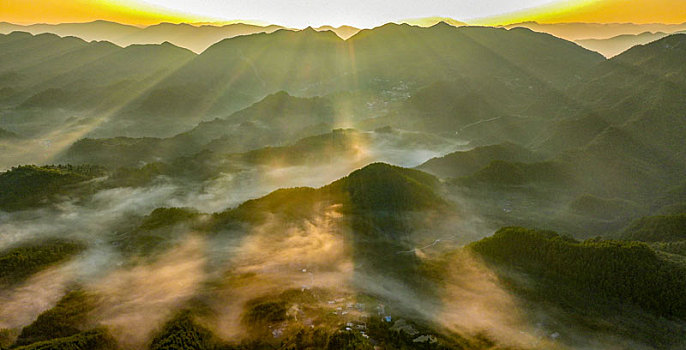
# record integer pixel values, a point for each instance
(360, 13)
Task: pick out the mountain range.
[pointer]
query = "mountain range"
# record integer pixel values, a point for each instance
(196, 38)
(401, 187)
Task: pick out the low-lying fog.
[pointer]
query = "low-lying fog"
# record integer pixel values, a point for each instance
(229, 270)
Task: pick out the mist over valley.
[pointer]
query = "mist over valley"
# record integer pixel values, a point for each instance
(183, 186)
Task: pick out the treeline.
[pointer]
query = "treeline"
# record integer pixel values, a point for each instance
(630, 272)
(96, 339)
(384, 187)
(183, 332)
(62, 328)
(28, 186)
(18, 263)
(663, 228)
(63, 320)
(376, 188)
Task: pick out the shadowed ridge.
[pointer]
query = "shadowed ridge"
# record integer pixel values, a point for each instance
(380, 186)
(463, 163)
(308, 33)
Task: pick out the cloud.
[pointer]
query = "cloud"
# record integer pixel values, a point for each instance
(133, 302)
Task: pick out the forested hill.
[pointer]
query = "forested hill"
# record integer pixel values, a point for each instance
(30, 186)
(628, 272)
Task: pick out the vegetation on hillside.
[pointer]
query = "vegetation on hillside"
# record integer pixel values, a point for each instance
(65, 319)
(96, 339)
(20, 262)
(629, 272)
(30, 186)
(663, 228)
(183, 332)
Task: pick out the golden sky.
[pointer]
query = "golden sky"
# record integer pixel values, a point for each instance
(68, 11)
(600, 11)
(363, 13)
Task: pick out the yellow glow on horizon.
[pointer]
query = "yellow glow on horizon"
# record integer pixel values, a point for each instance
(140, 13)
(74, 11)
(635, 11)
(534, 14)
(430, 21)
(599, 11)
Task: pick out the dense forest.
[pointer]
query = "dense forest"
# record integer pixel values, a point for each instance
(407, 187)
(628, 271)
(18, 263)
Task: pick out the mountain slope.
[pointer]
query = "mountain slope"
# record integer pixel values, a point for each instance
(89, 31)
(579, 31)
(193, 37)
(29, 186)
(614, 46)
(245, 68)
(463, 163)
(383, 66)
(22, 261)
(277, 119)
(657, 229)
(586, 282)
(80, 70)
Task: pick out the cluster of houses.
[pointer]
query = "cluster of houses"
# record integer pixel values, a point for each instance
(354, 317)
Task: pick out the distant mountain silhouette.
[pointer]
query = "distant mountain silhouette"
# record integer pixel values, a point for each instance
(463, 163)
(431, 21)
(614, 46)
(88, 31)
(193, 37)
(80, 70)
(381, 60)
(344, 32)
(579, 31)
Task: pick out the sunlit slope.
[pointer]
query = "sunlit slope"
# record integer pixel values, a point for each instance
(237, 71)
(358, 239)
(35, 64)
(275, 120)
(390, 57)
(589, 280)
(343, 234)
(169, 83)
